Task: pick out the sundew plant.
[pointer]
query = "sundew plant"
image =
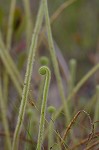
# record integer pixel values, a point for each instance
(49, 79)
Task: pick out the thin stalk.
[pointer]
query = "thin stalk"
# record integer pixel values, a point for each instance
(96, 114)
(72, 65)
(28, 75)
(30, 129)
(4, 119)
(51, 110)
(40, 93)
(50, 135)
(55, 63)
(10, 24)
(43, 62)
(29, 25)
(5, 85)
(72, 78)
(43, 71)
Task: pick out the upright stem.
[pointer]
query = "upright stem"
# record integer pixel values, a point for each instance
(43, 71)
(51, 141)
(10, 24)
(96, 115)
(73, 65)
(28, 75)
(55, 63)
(4, 119)
(28, 21)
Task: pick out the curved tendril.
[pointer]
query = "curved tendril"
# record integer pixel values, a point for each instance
(43, 71)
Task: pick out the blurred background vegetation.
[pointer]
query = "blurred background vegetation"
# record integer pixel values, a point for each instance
(76, 34)
(75, 30)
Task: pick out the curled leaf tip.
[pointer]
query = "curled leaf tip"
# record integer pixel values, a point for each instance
(43, 70)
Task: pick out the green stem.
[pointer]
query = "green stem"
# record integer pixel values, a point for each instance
(10, 24)
(5, 85)
(43, 62)
(72, 65)
(71, 81)
(40, 93)
(96, 114)
(55, 63)
(29, 25)
(43, 71)
(4, 119)
(28, 75)
(31, 121)
(51, 110)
